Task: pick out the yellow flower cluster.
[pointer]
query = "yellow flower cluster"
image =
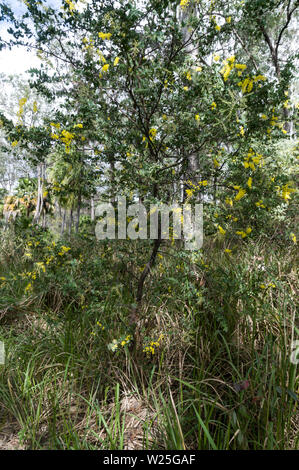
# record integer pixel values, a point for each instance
(247, 83)
(221, 230)
(152, 133)
(229, 64)
(264, 286)
(105, 35)
(184, 3)
(105, 68)
(293, 238)
(64, 249)
(260, 204)
(195, 187)
(71, 6)
(244, 234)
(241, 193)
(150, 348)
(253, 159)
(20, 113)
(285, 191)
(116, 343)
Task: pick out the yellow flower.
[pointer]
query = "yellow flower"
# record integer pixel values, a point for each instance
(260, 204)
(185, 88)
(184, 3)
(228, 19)
(105, 68)
(216, 58)
(227, 250)
(286, 191)
(189, 193)
(217, 27)
(71, 5)
(116, 60)
(197, 117)
(248, 230)
(57, 125)
(188, 75)
(213, 105)
(152, 133)
(241, 233)
(28, 287)
(64, 249)
(105, 35)
(240, 194)
(259, 77)
(293, 238)
(249, 182)
(221, 230)
(216, 163)
(15, 143)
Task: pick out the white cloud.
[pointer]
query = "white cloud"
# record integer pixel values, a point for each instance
(17, 60)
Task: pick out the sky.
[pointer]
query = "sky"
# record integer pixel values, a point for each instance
(18, 60)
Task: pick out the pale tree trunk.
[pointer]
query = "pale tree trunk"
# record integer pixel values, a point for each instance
(41, 170)
(193, 164)
(273, 46)
(63, 223)
(92, 210)
(78, 211)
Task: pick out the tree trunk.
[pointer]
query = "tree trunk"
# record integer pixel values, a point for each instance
(63, 223)
(78, 211)
(92, 210)
(71, 220)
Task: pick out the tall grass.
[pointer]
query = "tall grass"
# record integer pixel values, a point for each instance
(220, 377)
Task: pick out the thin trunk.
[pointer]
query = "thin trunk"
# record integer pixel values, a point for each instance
(191, 51)
(147, 269)
(78, 211)
(63, 223)
(92, 211)
(71, 220)
(41, 170)
(37, 209)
